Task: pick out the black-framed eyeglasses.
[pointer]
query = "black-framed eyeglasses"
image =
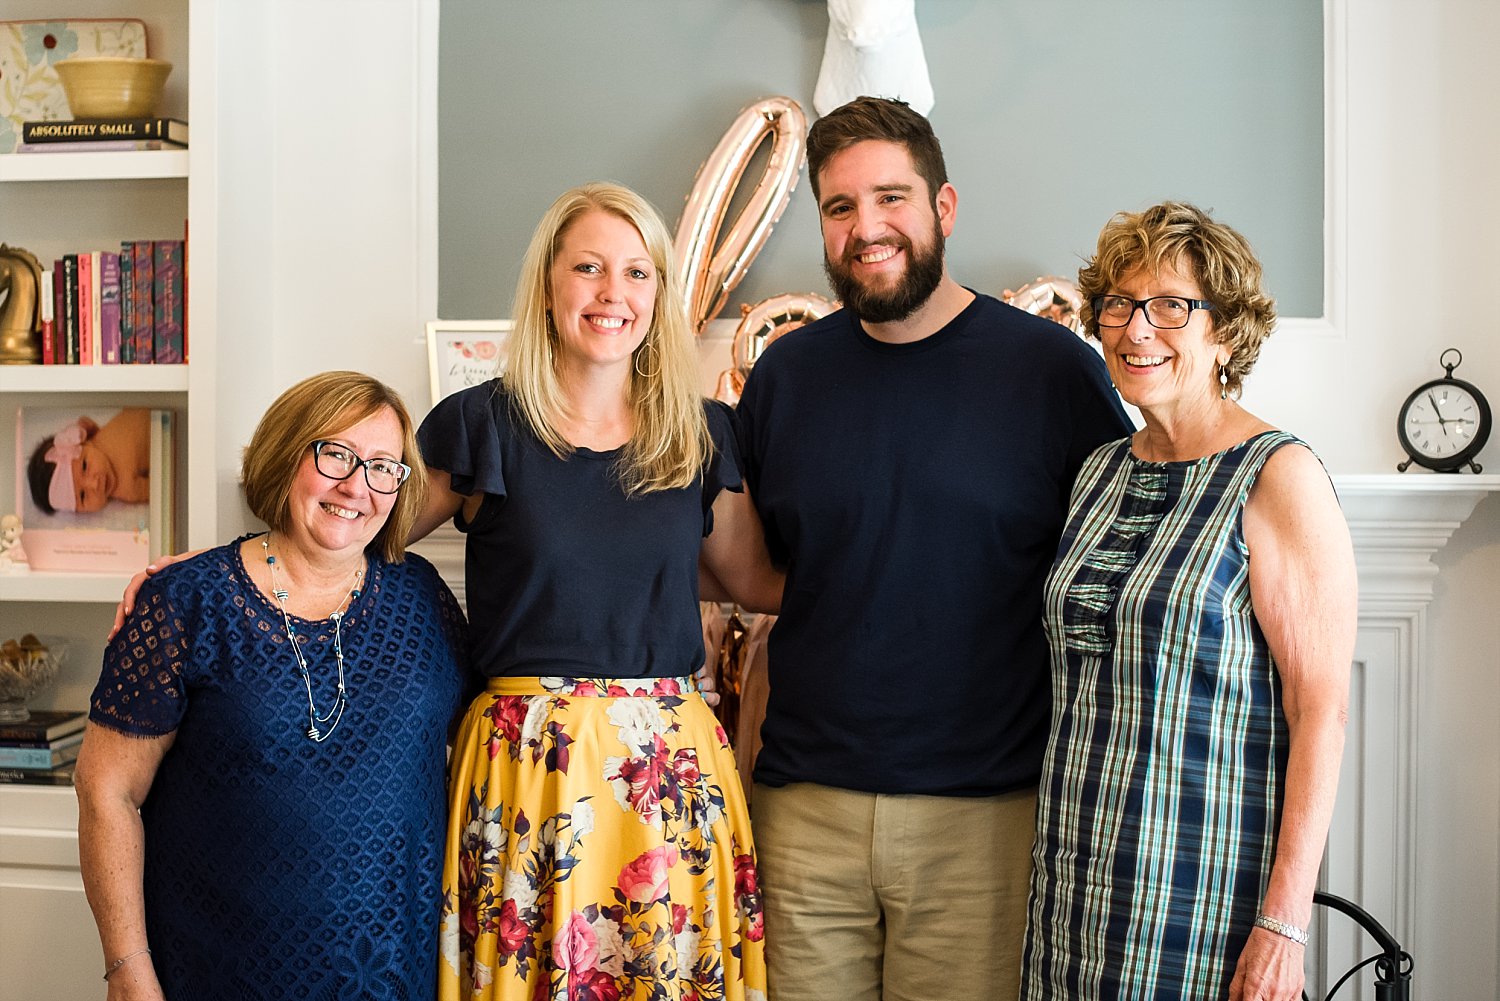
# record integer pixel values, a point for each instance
(1168, 312)
(338, 462)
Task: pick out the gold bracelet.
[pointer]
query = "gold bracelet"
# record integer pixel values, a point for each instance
(121, 961)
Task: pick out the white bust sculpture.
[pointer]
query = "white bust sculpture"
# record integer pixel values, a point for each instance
(873, 48)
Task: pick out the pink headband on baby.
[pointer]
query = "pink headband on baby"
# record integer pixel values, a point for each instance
(67, 445)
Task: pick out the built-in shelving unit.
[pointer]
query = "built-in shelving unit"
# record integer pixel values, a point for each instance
(56, 203)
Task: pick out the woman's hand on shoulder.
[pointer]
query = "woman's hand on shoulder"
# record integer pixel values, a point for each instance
(127, 600)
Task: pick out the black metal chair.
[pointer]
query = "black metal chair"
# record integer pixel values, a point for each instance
(1393, 964)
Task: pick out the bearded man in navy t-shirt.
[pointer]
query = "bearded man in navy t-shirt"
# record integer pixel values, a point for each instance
(911, 457)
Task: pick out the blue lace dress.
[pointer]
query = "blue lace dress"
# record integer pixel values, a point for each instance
(276, 867)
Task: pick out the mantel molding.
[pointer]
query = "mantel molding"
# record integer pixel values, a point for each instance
(1398, 523)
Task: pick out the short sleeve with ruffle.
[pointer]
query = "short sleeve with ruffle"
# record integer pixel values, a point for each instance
(461, 436)
(141, 690)
(723, 469)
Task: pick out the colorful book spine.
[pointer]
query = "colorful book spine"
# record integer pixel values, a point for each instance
(40, 757)
(44, 725)
(88, 311)
(109, 307)
(167, 300)
(143, 322)
(59, 776)
(59, 332)
(127, 316)
(70, 309)
(46, 303)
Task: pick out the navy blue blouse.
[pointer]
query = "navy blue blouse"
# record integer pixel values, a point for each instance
(567, 576)
(276, 867)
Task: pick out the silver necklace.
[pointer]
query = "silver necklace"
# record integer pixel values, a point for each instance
(315, 722)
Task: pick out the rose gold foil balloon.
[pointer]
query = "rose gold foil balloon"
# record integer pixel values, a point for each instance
(1058, 299)
(711, 270)
(760, 325)
(731, 385)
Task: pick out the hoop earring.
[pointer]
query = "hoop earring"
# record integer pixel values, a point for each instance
(1223, 384)
(647, 348)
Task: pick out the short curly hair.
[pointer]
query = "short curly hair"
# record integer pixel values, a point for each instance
(1183, 237)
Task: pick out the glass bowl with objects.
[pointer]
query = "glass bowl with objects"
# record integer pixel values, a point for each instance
(27, 666)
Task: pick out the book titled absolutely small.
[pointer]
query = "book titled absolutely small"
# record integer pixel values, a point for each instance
(170, 130)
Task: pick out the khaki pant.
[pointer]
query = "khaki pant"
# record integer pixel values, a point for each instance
(893, 898)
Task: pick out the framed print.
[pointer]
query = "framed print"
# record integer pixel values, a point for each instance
(464, 353)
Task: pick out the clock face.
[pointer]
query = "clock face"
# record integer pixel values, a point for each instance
(1443, 421)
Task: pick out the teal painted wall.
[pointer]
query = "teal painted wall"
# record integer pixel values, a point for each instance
(1053, 115)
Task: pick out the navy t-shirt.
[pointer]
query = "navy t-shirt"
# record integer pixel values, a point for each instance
(916, 493)
(566, 575)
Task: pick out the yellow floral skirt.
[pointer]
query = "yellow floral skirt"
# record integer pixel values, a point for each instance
(598, 848)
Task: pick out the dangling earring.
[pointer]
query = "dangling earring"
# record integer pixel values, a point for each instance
(647, 348)
(1223, 383)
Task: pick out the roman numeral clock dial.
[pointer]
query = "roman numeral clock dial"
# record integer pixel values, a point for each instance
(1444, 423)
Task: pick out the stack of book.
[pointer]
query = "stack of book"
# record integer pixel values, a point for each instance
(104, 307)
(41, 750)
(99, 135)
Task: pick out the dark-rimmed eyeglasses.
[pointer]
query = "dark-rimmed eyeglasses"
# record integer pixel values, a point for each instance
(338, 462)
(1167, 312)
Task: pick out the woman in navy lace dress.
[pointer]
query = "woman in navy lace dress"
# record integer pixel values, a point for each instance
(277, 709)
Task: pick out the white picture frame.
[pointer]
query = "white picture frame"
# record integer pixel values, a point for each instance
(464, 353)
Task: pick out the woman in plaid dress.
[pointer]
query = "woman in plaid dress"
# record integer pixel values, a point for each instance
(1201, 615)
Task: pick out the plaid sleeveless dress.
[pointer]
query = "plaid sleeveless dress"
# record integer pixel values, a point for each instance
(1161, 787)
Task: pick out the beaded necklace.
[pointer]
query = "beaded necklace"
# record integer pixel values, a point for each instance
(314, 721)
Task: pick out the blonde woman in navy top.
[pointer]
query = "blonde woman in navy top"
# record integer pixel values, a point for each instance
(598, 841)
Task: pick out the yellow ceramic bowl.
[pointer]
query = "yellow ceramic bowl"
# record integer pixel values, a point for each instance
(112, 86)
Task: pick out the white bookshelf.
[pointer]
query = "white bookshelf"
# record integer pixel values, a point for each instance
(84, 166)
(38, 586)
(52, 204)
(93, 379)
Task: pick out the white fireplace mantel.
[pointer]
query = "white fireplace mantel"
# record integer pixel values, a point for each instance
(1398, 522)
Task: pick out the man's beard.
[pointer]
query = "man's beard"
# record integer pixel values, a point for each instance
(924, 271)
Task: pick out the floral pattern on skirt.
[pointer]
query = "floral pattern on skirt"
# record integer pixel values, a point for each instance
(598, 848)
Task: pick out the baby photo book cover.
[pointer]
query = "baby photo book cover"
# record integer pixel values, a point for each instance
(93, 487)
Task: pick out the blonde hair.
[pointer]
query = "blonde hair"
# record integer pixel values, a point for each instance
(310, 411)
(1184, 238)
(669, 441)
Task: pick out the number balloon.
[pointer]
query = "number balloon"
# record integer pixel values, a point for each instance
(760, 325)
(710, 270)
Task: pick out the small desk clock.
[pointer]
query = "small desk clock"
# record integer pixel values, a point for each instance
(1444, 423)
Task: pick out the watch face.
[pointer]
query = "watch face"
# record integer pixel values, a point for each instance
(1443, 421)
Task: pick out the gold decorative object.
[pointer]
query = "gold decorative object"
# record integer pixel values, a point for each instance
(759, 326)
(112, 86)
(1052, 296)
(20, 313)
